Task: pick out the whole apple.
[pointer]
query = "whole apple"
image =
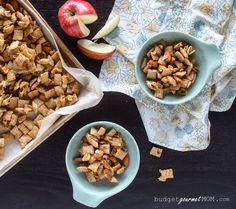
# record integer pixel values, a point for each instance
(73, 15)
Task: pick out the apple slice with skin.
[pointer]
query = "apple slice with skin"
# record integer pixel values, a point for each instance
(107, 28)
(73, 15)
(95, 51)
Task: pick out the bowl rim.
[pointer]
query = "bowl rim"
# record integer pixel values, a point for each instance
(112, 125)
(140, 81)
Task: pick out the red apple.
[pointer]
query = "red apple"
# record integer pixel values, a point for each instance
(73, 15)
(95, 51)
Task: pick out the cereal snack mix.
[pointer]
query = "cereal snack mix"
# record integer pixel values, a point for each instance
(103, 155)
(156, 152)
(166, 174)
(169, 68)
(33, 83)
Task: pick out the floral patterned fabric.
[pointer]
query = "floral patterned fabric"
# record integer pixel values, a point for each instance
(183, 127)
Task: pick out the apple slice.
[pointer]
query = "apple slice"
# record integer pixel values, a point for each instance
(95, 51)
(84, 31)
(88, 19)
(107, 28)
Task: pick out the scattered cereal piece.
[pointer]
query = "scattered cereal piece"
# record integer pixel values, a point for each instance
(166, 174)
(156, 152)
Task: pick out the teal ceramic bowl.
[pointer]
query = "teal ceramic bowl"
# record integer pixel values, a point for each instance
(207, 60)
(92, 194)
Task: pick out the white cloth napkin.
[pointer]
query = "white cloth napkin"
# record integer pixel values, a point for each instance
(182, 127)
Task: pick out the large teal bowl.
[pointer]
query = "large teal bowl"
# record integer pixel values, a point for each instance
(207, 60)
(92, 194)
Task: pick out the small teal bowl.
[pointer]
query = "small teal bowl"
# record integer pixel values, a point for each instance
(207, 60)
(92, 194)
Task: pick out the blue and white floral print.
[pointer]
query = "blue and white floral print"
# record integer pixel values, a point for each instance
(183, 127)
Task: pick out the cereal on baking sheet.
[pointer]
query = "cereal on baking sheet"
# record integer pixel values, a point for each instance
(166, 174)
(156, 152)
(2, 144)
(33, 83)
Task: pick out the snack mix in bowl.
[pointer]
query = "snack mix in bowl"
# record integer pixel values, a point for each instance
(170, 68)
(102, 155)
